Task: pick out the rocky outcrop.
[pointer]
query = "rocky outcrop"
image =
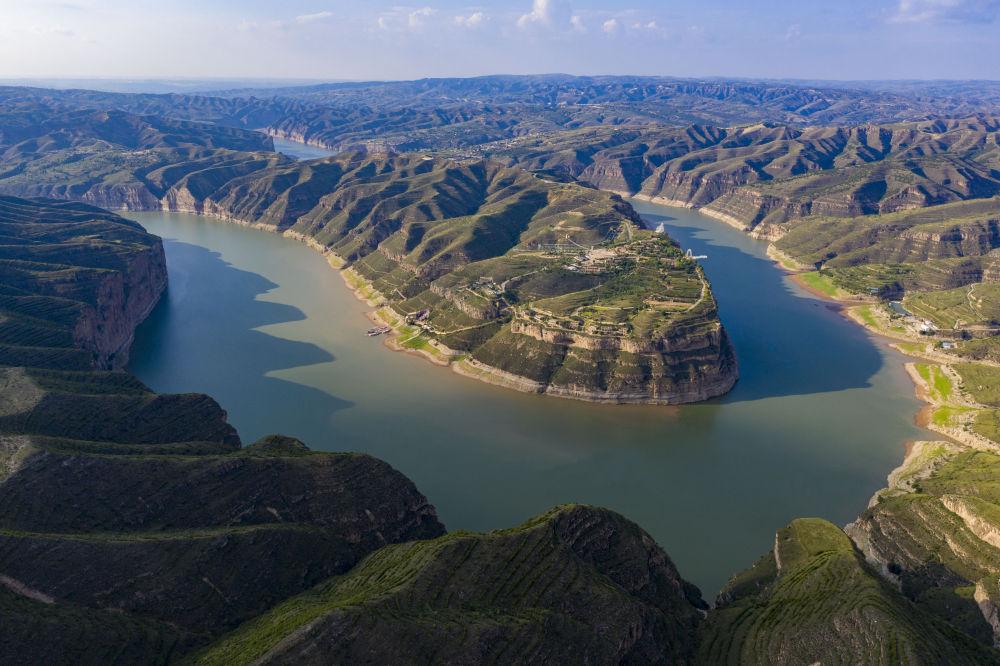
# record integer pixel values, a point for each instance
(555, 364)
(118, 197)
(693, 188)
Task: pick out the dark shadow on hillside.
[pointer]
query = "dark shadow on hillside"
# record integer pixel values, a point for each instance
(200, 338)
(786, 344)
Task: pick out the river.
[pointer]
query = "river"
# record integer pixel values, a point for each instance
(818, 418)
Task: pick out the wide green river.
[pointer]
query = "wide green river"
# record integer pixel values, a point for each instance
(820, 414)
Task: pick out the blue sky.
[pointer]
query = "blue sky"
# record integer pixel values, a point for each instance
(355, 39)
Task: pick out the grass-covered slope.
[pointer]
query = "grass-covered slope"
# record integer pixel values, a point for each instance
(939, 248)
(40, 631)
(813, 599)
(575, 585)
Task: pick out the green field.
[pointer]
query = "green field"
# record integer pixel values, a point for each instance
(822, 283)
(938, 383)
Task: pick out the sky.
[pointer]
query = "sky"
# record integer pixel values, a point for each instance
(368, 39)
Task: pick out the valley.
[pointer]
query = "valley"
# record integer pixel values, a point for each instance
(514, 230)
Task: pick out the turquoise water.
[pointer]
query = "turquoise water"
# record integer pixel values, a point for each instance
(819, 417)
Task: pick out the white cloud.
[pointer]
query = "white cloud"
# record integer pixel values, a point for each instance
(793, 33)
(313, 18)
(402, 19)
(548, 13)
(627, 22)
(473, 20)
(577, 23)
(416, 18)
(954, 11)
(284, 24)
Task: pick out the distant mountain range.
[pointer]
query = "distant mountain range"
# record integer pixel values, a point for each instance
(451, 113)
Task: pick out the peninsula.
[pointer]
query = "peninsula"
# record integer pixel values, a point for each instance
(511, 278)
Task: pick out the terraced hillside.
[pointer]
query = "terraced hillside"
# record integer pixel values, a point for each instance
(123, 513)
(763, 177)
(937, 248)
(498, 597)
(813, 599)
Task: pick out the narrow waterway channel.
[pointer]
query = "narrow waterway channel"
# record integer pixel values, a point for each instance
(820, 415)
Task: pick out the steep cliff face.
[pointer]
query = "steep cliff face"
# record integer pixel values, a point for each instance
(674, 184)
(123, 301)
(686, 362)
(119, 197)
(102, 275)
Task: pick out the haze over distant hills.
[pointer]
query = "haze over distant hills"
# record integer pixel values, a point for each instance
(455, 113)
(144, 85)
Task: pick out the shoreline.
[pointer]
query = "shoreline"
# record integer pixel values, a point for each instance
(704, 210)
(494, 376)
(923, 418)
